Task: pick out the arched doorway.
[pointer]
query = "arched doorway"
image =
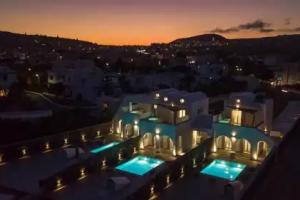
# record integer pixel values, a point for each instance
(223, 142)
(148, 140)
(128, 131)
(198, 137)
(158, 142)
(166, 143)
(262, 149)
(242, 146)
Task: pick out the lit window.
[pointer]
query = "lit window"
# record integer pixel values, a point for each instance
(182, 113)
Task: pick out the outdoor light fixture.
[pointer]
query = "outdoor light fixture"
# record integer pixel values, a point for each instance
(181, 100)
(82, 173)
(233, 139)
(157, 95)
(120, 156)
(47, 146)
(103, 163)
(66, 141)
(98, 133)
(194, 163)
(152, 190)
(83, 138)
(1, 158)
(136, 122)
(157, 130)
(182, 172)
(238, 101)
(59, 184)
(134, 150)
(233, 133)
(166, 99)
(155, 106)
(24, 152)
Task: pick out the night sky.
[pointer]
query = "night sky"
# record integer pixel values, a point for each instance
(147, 21)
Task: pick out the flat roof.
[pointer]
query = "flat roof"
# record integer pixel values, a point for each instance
(25, 174)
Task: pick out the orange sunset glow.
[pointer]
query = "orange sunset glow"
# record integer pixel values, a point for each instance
(144, 22)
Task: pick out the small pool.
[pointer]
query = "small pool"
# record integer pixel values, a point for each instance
(224, 169)
(104, 147)
(140, 165)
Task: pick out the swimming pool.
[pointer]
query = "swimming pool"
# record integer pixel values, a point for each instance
(224, 169)
(140, 165)
(104, 147)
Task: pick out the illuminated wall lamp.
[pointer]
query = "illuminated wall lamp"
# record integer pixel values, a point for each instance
(83, 138)
(98, 134)
(66, 141)
(182, 172)
(59, 184)
(103, 163)
(82, 173)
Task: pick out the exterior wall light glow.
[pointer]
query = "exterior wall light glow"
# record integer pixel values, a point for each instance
(134, 150)
(181, 100)
(24, 152)
(233, 139)
(136, 122)
(238, 101)
(83, 138)
(47, 146)
(66, 141)
(182, 172)
(157, 130)
(103, 163)
(82, 173)
(1, 158)
(233, 133)
(120, 156)
(98, 133)
(155, 106)
(152, 190)
(59, 184)
(157, 95)
(194, 163)
(166, 99)
(168, 179)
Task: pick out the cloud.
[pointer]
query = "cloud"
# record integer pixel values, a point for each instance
(258, 25)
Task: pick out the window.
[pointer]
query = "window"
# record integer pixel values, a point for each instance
(181, 113)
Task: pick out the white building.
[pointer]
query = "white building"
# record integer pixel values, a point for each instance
(7, 78)
(168, 121)
(245, 126)
(81, 78)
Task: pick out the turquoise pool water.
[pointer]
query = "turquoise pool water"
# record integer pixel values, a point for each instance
(224, 169)
(104, 147)
(140, 165)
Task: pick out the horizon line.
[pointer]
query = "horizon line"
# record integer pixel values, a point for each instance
(184, 37)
